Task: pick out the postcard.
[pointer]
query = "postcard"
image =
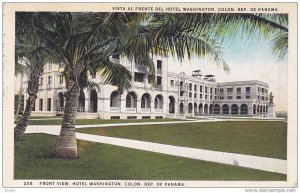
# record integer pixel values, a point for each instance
(152, 95)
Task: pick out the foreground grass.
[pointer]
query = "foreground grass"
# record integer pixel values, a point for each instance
(259, 138)
(33, 160)
(57, 121)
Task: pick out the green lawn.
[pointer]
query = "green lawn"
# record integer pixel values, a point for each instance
(260, 138)
(34, 160)
(97, 121)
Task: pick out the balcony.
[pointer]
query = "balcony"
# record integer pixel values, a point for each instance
(247, 92)
(115, 60)
(238, 93)
(80, 109)
(145, 110)
(140, 67)
(131, 110)
(159, 71)
(158, 110)
(60, 109)
(49, 86)
(182, 88)
(115, 109)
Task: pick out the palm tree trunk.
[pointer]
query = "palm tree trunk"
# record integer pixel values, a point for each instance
(66, 145)
(20, 97)
(33, 86)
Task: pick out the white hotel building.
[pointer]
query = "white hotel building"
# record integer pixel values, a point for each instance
(175, 94)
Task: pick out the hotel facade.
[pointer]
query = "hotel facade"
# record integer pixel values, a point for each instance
(174, 95)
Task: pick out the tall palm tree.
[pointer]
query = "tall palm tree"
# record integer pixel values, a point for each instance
(83, 39)
(32, 53)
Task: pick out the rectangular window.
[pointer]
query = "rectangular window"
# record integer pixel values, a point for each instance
(172, 83)
(146, 117)
(229, 97)
(41, 81)
(200, 88)
(215, 97)
(49, 66)
(215, 90)
(49, 80)
(181, 93)
(258, 89)
(158, 82)
(195, 88)
(258, 97)
(206, 89)
(221, 97)
(33, 109)
(131, 117)
(247, 96)
(238, 97)
(211, 90)
(238, 90)
(190, 86)
(206, 97)
(200, 96)
(195, 95)
(190, 94)
(247, 89)
(159, 64)
(210, 97)
(115, 117)
(149, 79)
(41, 105)
(138, 77)
(61, 79)
(229, 89)
(49, 104)
(221, 90)
(158, 117)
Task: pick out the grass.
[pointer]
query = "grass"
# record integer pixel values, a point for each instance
(34, 160)
(96, 121)
(259, 138)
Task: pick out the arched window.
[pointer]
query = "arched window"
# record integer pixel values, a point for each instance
(234, 109)
(217, 109)
(244, 109)
(190, 109)
(181, 108)
(115, 99)
(200, 108)
(158, 102)
(171, 104)
(131, 100)
(225, 109)
(93, 101)
(146, 101)
(81, 102)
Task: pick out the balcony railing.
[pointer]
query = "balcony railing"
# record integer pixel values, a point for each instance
(247, 92)
(80, 109)
(158, 110)
(182, 88)
(60, 109)
(140, 67)
(131, 110)
(159, 71)
(145, 110)
(115, 109)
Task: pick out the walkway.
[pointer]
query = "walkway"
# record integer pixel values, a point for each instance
(255, 162)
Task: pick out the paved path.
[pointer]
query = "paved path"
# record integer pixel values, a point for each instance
(260, 163)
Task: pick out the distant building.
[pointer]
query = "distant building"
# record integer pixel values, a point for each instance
(174, 95)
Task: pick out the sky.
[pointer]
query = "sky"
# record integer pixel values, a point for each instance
(251, 60)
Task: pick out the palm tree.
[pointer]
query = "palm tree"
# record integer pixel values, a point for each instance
(32, 53)
(90, 39)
